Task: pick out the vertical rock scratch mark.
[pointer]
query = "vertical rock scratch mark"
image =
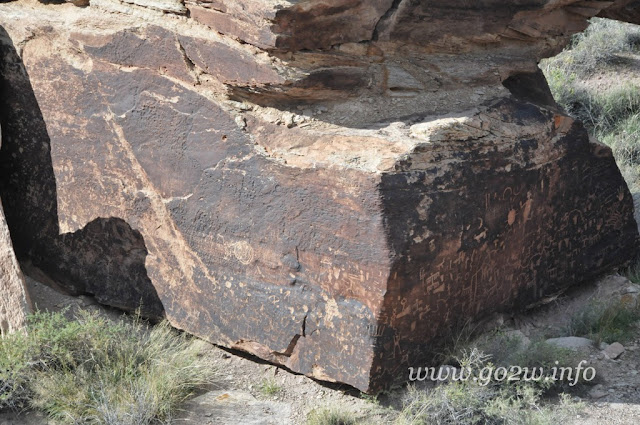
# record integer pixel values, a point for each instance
(384, 19)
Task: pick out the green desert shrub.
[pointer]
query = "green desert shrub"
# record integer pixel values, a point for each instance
(633, 273)
(600, 44)
(94, 370)
(332, 415)
(506, 349)
(269, 387)
(480, 398)
(625, 140)
(607, 115)
(605, 321)
(611, 111)
(468, 403)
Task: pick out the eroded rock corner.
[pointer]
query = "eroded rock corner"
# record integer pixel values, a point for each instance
(330, 185)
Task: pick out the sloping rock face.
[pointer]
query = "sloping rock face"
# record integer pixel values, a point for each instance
(330, 185)
(627, 11)
(15, 304)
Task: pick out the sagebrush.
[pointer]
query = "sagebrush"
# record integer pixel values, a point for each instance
(97, 371)
(611, 110)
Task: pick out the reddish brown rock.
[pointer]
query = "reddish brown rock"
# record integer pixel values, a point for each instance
(626, 10)
(249, 21)
(331, 191)
(15, 304)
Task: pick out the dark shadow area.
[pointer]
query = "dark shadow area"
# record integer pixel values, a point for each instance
(578, 226)
(107, 257)
(334, 386)
(531, 87)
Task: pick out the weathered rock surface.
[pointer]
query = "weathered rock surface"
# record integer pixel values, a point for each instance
(613, 351)
(571, 342)
(14, 298)
(626, 10)
(328, 185)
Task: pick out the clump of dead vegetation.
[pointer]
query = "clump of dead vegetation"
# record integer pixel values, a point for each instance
(97, 371)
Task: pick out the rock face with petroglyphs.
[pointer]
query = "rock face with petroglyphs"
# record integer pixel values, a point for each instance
(330, 185)
(14, 298)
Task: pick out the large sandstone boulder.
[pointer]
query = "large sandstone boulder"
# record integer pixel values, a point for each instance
(15, 304)
(330, 185)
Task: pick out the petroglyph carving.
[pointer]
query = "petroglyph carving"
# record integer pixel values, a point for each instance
(243, 252)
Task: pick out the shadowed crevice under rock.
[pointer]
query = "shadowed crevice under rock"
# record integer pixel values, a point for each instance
(531, 87)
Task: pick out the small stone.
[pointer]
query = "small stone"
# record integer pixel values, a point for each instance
(571, 342)
(633, 289)
(287, 119)
(240, 105)
(614, 351)
(597, 392)
(240, 122)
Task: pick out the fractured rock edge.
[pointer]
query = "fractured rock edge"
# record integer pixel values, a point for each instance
(15, 304)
